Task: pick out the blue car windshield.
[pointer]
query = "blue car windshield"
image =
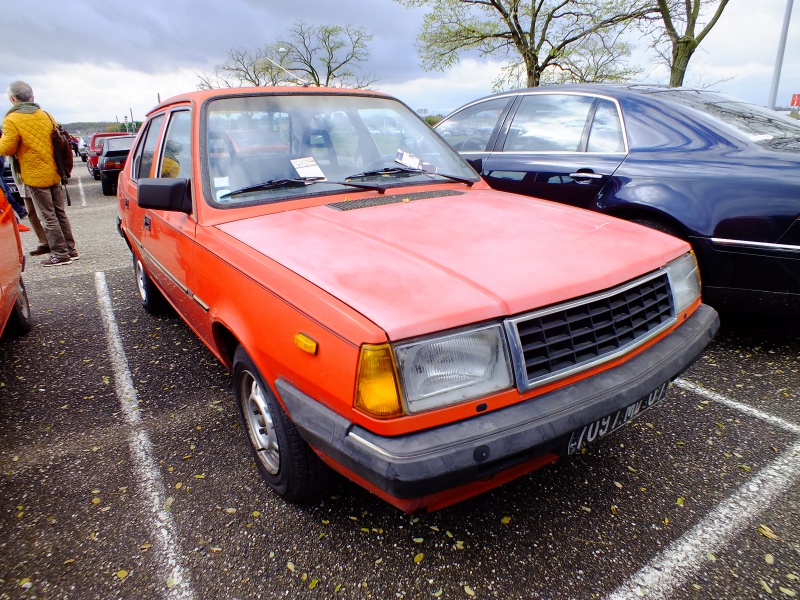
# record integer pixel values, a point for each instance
(754, 122)
(266, 148)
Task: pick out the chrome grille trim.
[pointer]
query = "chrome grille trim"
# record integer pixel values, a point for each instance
(563, 340)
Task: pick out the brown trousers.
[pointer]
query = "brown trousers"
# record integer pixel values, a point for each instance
(49, 204)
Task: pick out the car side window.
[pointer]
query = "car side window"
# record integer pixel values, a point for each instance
(549, 123)
(606, 132)
(143, 161)
(176, 153)
(471, 129)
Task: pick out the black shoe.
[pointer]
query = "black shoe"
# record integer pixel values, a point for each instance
(56, 262)
(40, 250)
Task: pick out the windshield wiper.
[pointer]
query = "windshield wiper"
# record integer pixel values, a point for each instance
(294, 182)
(407, 171)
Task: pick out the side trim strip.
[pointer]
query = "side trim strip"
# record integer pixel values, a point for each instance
(756, 245)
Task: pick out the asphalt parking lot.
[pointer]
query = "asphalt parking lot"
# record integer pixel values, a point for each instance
(125, 474)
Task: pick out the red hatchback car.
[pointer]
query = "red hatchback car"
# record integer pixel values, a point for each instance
(96, 148)
(15, 313)
(383, 311)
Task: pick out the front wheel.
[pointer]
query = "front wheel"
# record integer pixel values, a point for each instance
(20, 320)
(284, 459)
(153, 300)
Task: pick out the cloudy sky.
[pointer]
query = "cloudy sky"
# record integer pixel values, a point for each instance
(100, 61)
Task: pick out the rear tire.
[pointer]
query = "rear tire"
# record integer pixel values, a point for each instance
(106, 185)
(658, 226)
(19, 322)
(153, 300)
(286, 462)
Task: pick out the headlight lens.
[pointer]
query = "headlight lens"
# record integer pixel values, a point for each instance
(446, 370)
(684, 278)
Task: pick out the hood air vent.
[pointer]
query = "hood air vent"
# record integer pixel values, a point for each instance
(367, 202)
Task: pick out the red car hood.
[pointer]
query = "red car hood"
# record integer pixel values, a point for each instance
(426, 265)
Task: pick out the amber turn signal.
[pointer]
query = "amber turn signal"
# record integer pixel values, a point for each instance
(376, 386)
(305, 343)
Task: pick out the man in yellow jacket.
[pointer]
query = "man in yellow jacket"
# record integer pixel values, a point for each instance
(26, 134)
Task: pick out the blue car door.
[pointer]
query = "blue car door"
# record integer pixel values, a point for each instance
(558, 146)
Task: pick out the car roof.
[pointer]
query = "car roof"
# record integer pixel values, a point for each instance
(200, 96)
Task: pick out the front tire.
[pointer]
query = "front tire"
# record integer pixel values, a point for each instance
(286, 462)
(19, 322)
(153, 300)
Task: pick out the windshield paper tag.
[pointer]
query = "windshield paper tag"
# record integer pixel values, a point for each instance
(412, 162)
(307, 168)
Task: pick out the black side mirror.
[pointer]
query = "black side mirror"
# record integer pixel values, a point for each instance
(173, 194)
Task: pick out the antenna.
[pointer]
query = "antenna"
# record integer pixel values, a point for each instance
(303, 81)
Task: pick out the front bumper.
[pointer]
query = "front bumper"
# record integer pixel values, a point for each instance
(431, 461)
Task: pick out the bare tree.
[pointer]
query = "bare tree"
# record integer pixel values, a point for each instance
(677, 41)
(324, 55)
(534, 36)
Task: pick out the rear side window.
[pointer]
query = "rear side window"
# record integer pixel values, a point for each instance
(143, 160)
(549, 123)
(176, 153)
(606, 132)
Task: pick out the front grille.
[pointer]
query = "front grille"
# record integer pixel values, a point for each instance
(562, 340)
(396, 199)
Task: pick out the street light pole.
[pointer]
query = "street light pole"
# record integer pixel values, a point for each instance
(776, 77)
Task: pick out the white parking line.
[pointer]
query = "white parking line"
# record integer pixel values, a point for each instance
(748, 410)
(83, 194)
(688, 554)
(177, 584)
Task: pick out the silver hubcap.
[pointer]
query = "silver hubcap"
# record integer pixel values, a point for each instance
(260, 427)
(140, 279)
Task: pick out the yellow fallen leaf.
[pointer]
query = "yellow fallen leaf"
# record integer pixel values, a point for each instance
(680, 502)
(230, 511)
(145, 546)
(96, 500)
(618, 484)
(586, 509)
(712, 558)
(769, 559)
(24, 580)
(313, 584)
(417, 540)
(767, 532)
(290, 566)
(170, 583)
(744, 468)
(201, 476)
(122, 573)
(469, 591)
(178, 485)
(69, 561)
(666, 520)
(505, 520)
(418, 558)
(216, 549)
(614, 509)
(256, 514)
(792, 577)
(765, 585)
(787, 591)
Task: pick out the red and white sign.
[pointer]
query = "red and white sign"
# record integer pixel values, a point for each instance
(795, 99)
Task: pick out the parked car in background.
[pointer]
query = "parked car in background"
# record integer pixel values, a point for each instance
(383, 311)
(8, 179)
(83, 147)
(96, 148)
(15, 312)
(717, 172)
(112, 160)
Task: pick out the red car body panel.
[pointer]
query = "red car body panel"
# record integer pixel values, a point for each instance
(12, 261)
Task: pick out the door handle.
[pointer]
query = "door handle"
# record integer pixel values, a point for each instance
(586, 175)
(147, 223)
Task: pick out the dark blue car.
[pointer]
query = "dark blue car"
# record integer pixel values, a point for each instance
(718, 172)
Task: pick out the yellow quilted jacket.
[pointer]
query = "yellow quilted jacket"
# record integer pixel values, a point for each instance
(28, 136)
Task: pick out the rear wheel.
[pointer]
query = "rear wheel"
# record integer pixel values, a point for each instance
(153, 300)
(107, 185)
(658, 226)
(284, 459)
(20, 320)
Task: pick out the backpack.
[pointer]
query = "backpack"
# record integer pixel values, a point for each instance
(62, 150)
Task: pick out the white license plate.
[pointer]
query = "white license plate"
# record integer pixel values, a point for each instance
(602, 427)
